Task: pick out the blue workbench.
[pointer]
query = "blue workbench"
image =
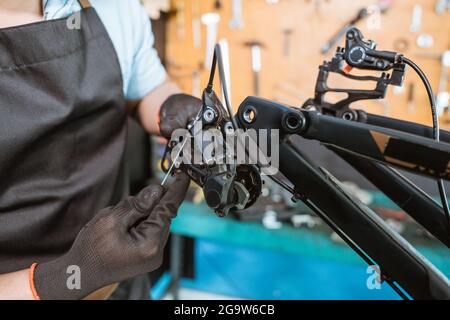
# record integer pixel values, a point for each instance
(243, 259)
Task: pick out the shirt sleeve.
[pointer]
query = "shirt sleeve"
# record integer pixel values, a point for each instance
(146, 70)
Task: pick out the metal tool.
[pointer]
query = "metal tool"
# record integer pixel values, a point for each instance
(225, 49)
(441, 6)
(425, 40)
(196, 24)
(443, 96)
(341, 32)
(169, 172)
(445, 64)
(362, 14)
(416, 19)
(211, 20)
(175, 163)
(237, 21)
(255, 47)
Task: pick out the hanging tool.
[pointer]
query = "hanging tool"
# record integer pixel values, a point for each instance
(211, 21)
(373, 18)
(196, 24)
(256, 47)
(441, 6)
(225, 48)
(443, 96)
(237, 21)
(362, 14)
(425, 40)
(416, 19)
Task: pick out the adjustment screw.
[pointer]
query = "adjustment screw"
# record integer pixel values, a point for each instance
(349, 115)
(293, 122)
(209, 115)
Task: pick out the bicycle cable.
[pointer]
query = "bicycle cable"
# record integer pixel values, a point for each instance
(436, 130)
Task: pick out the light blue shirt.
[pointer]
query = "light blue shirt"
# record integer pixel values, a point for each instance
(130, 30)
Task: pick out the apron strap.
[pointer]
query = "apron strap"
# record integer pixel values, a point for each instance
(84, 4)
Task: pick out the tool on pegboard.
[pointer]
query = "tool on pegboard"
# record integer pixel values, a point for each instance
(441, 6)
(416, 18)
(237, 21)
(196, 24)
(443, 96)
(256, 48)
(211, 21)
(383, 6)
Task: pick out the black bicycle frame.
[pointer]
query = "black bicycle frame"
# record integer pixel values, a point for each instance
(400, 264)
(399, 189)
(410, 198)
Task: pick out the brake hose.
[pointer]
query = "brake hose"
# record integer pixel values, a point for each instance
(436, 130)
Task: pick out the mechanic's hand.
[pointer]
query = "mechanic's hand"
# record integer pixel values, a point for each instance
(119, 243)
(176, 112)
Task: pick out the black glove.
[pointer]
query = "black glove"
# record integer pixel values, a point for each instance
(119, 243)
(176, 112)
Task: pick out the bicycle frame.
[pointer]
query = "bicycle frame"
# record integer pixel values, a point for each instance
(369, 144)
(401, 265)
(400, 190)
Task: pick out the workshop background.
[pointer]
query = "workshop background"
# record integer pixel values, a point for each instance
(280, 250)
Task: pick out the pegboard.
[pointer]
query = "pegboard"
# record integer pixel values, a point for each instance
(291, 78)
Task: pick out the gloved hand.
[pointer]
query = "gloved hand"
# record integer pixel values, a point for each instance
(119, 243)
(176, 112)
